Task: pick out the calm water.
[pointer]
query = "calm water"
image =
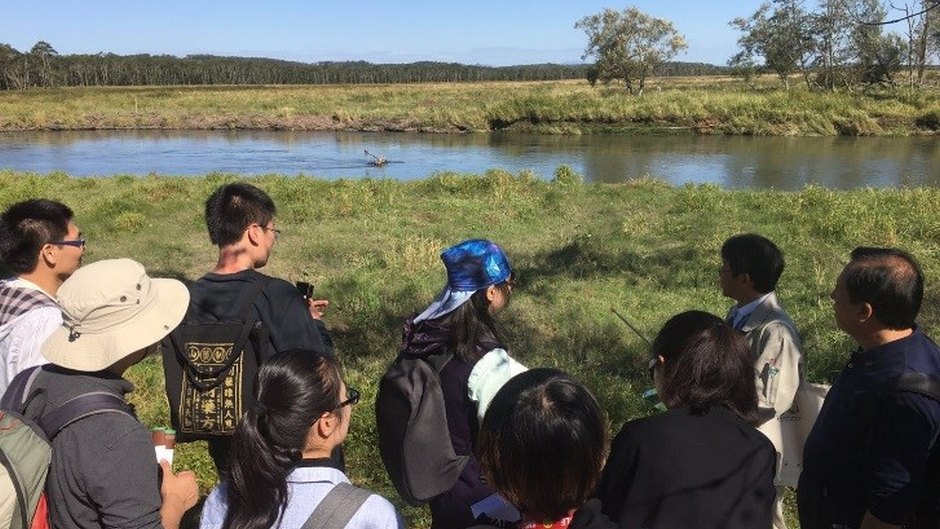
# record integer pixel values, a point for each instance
(733, 162)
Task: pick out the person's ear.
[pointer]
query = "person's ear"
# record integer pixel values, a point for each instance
(48, 255)
(327, 424)
(491, 292)
(254, 234)
(865, 312)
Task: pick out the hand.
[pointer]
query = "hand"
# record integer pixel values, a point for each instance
(317, 307)
(179, 493)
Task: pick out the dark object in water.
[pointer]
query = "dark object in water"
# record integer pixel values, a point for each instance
(376, 161)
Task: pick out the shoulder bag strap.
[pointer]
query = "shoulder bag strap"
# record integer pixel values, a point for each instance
(337, 507)
(920, 383)
(204, 379)
(249, 300)
(80, 407)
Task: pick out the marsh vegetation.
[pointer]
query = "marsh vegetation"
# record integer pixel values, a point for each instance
(372, 246)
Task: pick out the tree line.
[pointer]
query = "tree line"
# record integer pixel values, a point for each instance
(832, 44)
(43, 66)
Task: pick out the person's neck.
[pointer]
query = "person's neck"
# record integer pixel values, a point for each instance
(233, 260)
(320, 452)
(48, 282)
(880, 337)
(748, 297)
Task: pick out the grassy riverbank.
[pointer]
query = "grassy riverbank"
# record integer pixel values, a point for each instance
(372, 248)
(706, 105)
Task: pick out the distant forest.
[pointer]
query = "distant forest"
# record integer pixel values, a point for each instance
(42, 66)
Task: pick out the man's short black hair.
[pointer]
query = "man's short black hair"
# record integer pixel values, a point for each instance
(889, 280)
(754, 255)
(234, 207)
(25, 227)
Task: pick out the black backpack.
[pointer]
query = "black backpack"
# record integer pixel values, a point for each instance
(411, 420)
(211, 368)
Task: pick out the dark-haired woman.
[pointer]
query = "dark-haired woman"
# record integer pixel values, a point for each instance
(280, 464)
(460, 321)
(701, 464)
(542, 445)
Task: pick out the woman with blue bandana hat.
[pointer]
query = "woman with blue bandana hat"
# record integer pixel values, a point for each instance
(460, 320)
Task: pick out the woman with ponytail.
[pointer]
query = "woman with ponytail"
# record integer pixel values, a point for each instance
(280, 462)
(702, 463)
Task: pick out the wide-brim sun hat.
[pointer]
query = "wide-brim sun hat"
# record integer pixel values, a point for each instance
(110, 310)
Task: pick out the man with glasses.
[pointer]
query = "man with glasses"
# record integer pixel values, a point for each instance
(41, 246)
(241, 222)
(750, 267)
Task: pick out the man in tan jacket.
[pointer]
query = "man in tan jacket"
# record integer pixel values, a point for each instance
(751, 266)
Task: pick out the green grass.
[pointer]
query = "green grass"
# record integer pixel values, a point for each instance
(701, 105)
(372, 247)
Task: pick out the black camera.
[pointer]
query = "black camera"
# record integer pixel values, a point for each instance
(306, 289)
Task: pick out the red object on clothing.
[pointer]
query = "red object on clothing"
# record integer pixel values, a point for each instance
(528, 523)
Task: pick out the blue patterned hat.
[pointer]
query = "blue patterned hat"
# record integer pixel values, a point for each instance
(475, 264)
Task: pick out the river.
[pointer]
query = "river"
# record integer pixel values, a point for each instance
(728, 161)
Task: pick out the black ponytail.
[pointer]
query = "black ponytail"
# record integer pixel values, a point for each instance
(294, 388)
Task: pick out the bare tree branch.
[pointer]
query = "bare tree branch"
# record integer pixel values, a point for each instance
(927, 9)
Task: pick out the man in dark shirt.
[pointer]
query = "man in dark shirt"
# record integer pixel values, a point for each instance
(240, 219)
(865, 463)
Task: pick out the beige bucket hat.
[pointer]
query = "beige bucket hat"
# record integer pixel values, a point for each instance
(111, 309)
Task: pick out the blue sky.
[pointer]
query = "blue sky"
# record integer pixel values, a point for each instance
(480, 32)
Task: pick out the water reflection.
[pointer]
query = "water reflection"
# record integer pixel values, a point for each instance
(733, 162)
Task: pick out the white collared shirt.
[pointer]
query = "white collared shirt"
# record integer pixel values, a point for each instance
(740, 314)
(306, 488)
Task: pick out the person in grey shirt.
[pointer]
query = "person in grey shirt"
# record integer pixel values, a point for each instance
(104, 474)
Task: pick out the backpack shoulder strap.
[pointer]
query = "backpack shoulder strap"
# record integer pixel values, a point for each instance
(337, 507)
(437, 361)
(16, 396)
(920, 383)
(80, 407)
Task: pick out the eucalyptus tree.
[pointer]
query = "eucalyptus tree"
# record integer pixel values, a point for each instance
(781, 35)
(879, 55)
(43, 54)
(12, 75)
(628, 46)
(833, 25)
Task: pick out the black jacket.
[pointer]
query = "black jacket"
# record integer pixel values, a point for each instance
(681, 469)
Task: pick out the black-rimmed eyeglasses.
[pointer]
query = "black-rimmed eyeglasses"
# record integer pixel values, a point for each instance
(352, 397)
(77, 243)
